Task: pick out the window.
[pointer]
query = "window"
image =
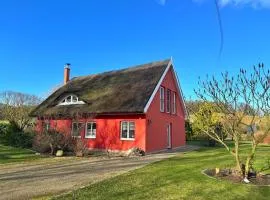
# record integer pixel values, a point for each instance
(91, 130)
(162, 99)
(76, 129)
(46, 125)
(127, 130)
(174, 103)
(71, 99)
(168, 105)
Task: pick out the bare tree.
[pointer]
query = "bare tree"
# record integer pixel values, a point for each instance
(229, 95)
(16, 107)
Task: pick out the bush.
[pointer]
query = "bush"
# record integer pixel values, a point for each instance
(79, 147)
(50, 141)
(10, 135)
(188, 129)
(5, 127)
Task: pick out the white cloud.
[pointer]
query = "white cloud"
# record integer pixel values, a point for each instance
(252, 3)
(223, 3)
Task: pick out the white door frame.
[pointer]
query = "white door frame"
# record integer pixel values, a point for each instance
(169, 135)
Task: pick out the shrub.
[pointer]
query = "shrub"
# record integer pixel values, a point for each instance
(188, 129)
(79, 147)
(50, 141)
(5, 127)
(10, 135)
(20, 139)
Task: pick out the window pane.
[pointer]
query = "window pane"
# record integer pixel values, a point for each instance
(68, 99)
(94, 126)
(124, 134)
(174, 103)
(131, 129)
(124, 130)
(74, 99)
(124, 125)
(80, 126)
(161, 99)
(132, 134)
(91, 130)
(89, 125)
(168, 100)
(75, 129)
(131, 126)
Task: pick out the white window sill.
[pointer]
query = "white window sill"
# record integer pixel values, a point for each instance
(90, 137)
(128, 139)
(71, 103)
(76, 136)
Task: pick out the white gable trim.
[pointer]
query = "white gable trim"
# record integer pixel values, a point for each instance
(170, 64)
(157, 87)
(180, 92)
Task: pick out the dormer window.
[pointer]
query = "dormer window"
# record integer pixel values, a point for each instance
(71, 99)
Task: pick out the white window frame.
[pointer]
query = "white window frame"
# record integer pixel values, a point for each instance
(91, 136)
(168, 101)
(64, 101)
(162, 99)
(72, 130)
(128, 125)
(174, 103)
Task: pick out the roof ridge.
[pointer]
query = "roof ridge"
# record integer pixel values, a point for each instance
(153, 63)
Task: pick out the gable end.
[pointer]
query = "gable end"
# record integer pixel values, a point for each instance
(176, 80)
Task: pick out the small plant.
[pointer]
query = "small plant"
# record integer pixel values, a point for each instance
(79, 147)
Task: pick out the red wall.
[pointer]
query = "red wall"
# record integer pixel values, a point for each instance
(156, 138)
(108, 131)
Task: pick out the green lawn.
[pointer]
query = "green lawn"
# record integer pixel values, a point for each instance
(11, 155)
(179, 177)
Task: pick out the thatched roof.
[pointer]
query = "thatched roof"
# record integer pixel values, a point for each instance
(122, 91)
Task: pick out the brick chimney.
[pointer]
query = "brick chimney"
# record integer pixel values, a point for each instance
(66, 73)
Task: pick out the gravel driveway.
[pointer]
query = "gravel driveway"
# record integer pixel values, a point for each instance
(25, 181)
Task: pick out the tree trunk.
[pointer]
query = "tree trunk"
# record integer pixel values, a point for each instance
(52, 149)
(237, 159)
(249, 159)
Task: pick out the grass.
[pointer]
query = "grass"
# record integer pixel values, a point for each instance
(179, 177)
(11, 155)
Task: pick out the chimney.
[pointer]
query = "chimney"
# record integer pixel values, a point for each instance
(66, 73)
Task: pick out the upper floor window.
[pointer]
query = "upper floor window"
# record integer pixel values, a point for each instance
(127, 130)
(162, 99)
(91, 130)
(168, 103)
(174, 103)
(71, 99)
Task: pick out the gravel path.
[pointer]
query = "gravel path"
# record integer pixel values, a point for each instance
(26, 181)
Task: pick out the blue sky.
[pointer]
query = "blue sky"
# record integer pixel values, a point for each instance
(38, 37)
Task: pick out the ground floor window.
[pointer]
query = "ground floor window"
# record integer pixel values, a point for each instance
(46, 125)
(91, 129)
(127, 130)
(77, 127)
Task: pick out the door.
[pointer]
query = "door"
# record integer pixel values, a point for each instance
(169, 136)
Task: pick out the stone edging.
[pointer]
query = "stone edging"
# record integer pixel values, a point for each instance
(219, 179)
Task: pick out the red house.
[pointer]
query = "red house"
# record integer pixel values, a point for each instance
(140, 106)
